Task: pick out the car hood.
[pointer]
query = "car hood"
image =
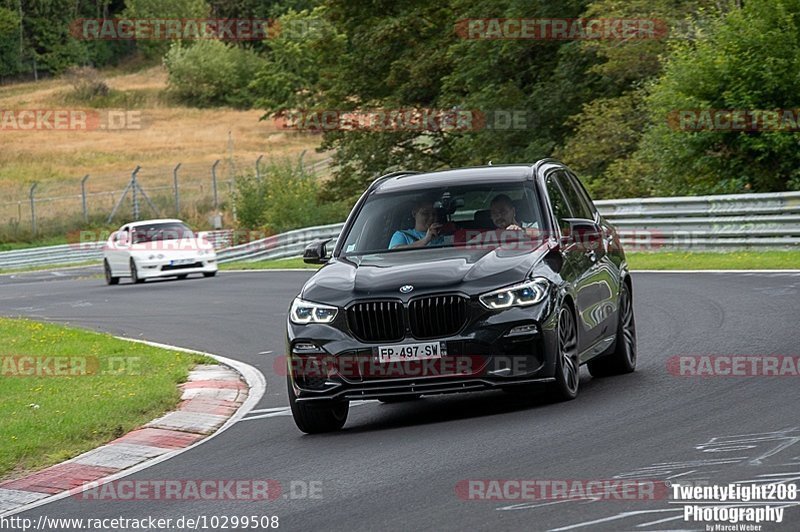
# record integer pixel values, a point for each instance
(427, 270)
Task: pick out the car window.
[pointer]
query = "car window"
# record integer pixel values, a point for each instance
(558, 201)
(583, 196)
(160, 231)
(576, 202)
(387, 221)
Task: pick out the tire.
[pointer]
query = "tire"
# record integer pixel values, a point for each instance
(400, 399)
(110, 279)
(183, 276)
(316, 418)
(622, 358)
(135, 273)
(209, 274)
(568, 368)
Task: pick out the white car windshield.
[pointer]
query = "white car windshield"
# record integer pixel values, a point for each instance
(161, 231)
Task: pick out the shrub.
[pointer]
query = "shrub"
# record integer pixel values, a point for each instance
(86, 83)
(210, 73)
(285, 198)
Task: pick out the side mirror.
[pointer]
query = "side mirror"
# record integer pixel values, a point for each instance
(121, 239)
(316, 252)
(585, 233)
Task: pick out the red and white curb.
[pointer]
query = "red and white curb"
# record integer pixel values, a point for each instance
(213, 399)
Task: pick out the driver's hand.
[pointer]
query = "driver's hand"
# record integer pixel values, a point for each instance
(514, 227)
(433, 231)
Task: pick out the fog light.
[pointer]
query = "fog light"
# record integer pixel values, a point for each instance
(522, 330)
(306, 348)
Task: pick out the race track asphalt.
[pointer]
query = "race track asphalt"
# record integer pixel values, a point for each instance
(396, 467)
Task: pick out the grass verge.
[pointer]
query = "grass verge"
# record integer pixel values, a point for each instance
(707, 260)
(98, 389)
(45, 267)
(269, 265)
(701, 260)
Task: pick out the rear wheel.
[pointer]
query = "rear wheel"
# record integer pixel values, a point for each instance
(623, 358)
(183, 276)
(110, 279)
(317, 416)
(209, 274)
(567, 365)
(135, 273)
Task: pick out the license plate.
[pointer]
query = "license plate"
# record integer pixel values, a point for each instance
(402, 352)
(181, 262)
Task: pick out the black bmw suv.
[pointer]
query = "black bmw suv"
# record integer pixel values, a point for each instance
(460, 280)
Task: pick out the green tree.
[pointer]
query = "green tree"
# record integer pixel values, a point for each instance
(607, 130)
(748, 60)
(10, 60)
(163, 9)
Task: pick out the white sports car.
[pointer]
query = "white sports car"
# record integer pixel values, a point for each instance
(157, 248)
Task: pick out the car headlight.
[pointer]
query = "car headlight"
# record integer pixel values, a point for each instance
(519, 295)
(303, 312)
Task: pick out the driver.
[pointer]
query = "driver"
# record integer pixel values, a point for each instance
(504, 216)
(425, 231)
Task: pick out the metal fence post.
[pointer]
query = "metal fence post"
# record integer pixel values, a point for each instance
(177, 198)
(232, 199)
(214, 183)
(134, 187)
(258, 167)
(83, 199)
(33, 208)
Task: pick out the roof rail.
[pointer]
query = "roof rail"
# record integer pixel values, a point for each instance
(393, 174)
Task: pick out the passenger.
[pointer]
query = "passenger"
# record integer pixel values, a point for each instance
(426, 231)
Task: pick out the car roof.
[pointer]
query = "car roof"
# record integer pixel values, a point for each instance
(459, 176)
(154, 221)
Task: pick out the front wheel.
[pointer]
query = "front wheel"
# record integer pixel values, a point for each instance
(110, 279)
(317, 416)
(623, 357)
(567, 365)
(209, 274)
(135, 273)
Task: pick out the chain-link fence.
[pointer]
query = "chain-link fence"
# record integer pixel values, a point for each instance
(199, 192)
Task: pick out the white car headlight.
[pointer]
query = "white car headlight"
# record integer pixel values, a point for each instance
(519, 295)
(303, 312)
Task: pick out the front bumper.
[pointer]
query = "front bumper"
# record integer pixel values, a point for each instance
(150, 269)
(327, 362)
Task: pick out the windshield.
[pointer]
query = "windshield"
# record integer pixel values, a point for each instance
(441, 217)
(161, 231)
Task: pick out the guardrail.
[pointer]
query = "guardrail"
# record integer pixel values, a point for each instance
(724, 222)
(713, 223)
